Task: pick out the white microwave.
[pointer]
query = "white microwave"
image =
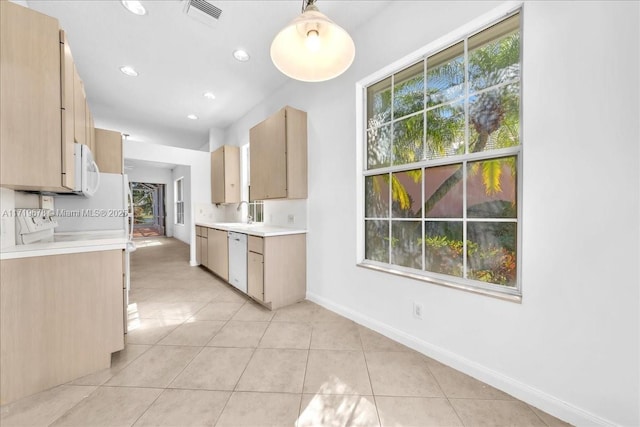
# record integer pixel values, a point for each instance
(87, 177)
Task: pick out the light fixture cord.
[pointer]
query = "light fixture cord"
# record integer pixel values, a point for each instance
(307, 3)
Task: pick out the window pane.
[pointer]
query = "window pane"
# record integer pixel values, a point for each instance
(491, 188)
(408, 91)
(377, 196)
(494, 119)
(491, 252)
(377, 241)
(443, 192)
(406, 188)
(406, 247)
(408, 135)
(379, 147)
(379, 103)
(494, 55)
(445, 131)
(443, 247)
(445, 75)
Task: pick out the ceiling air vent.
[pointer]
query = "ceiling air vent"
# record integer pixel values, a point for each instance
(203, 11)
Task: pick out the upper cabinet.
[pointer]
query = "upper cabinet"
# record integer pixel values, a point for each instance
(30, 101)
(108, 151)
(43, 107)
(225, 175)
(278, 162)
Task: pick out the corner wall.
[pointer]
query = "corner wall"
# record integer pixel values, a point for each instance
(572, 347)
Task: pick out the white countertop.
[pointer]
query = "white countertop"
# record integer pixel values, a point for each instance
(69, 243)
(261, 230)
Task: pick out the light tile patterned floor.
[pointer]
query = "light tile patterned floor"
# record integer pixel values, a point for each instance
(201, 354)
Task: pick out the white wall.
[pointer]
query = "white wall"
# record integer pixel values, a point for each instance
(183, 231)
(153, 175)
(572, 347)
(198, 161)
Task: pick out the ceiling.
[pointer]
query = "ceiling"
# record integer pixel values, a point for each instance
(178, 59)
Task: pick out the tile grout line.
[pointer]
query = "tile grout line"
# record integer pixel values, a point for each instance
(366, 363)
(444, 394)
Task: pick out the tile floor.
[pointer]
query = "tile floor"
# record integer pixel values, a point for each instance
(200, 354)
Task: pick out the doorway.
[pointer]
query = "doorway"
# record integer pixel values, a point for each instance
(148, 209)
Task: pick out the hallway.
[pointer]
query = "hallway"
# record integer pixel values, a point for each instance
(199, 353)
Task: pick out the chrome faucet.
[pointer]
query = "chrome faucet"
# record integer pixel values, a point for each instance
(249, 217)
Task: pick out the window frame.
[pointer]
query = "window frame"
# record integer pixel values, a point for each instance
(179, 201)
(476, 26)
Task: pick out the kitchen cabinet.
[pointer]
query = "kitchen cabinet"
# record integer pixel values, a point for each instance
(67, 98)
(61, 317)
(79, 109)
(278, 162)
(202, 246)
(31, 144)
(255, 276)
(108, 151)
(225, 175)
(218, 252)
(89, 128)
(277, 269)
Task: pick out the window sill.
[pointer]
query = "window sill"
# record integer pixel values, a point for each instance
(486, 292)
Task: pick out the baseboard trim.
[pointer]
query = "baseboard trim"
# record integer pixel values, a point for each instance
(518, 389)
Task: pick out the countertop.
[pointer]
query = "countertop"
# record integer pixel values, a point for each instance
(261, 230)
(69, 243)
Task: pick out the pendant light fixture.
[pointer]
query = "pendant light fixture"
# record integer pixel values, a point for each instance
(312, 48)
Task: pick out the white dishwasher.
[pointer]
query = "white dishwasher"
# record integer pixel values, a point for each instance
(238, 260)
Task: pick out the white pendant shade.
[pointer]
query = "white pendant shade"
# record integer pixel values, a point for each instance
(312, 48)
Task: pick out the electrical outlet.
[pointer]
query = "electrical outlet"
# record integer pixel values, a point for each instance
(291, 218)
(417, 310)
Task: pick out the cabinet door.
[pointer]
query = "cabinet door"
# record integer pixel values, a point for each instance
(30, 115)
(219, 253)
(198, 249)
(89, 129)
(79, 109)
(217, 176)
(108, 151)
(204, 247)
(268, 163)
(231, 174)
(255, 276)
(66, 81)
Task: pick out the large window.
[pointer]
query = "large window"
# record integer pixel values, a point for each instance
(442, 153)
(179, 201)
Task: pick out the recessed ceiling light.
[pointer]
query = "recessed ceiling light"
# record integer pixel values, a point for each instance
(209, 95)
(241, 55)
(134, 7)
(129, 71)
(192, 117)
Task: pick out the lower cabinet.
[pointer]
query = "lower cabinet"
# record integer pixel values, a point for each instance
(60, 319)
(277, 269)
(218, 256)
(276, 265)
(202, 246)
(255, 275)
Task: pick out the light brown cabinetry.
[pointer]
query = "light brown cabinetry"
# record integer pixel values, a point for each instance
(202, 246)
(225, 175)
(218, 255)
(278, 163)
(30, 100)
(61, 318)
(277, 269)
(68, 121)
(108, 151)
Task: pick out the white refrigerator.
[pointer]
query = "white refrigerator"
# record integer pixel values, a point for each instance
(109, 209)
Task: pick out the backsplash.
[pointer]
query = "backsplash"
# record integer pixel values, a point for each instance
(281, 213)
